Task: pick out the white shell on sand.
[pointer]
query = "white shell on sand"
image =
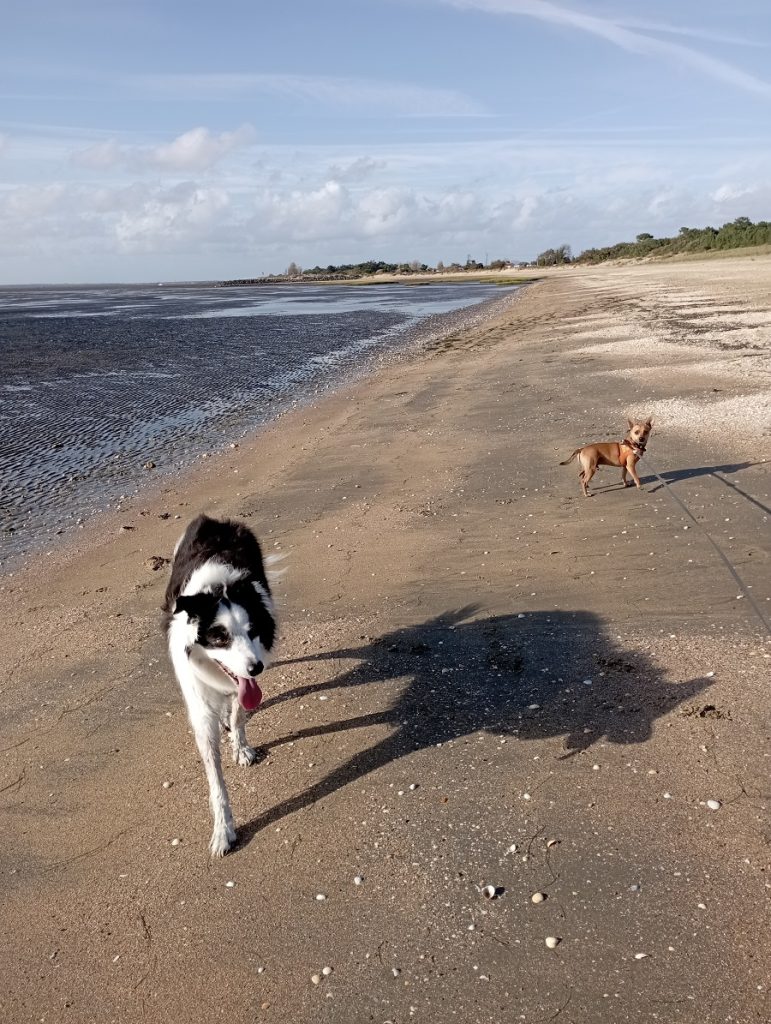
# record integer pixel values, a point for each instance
(714, 805)
(358, 880)
(538, 897)
(316, 978)
(489, 892)
(326, 971)
(552, 941)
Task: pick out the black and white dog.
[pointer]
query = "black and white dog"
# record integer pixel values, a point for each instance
(220, 622)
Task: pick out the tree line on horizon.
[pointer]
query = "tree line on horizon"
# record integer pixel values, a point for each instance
(371, 268)
(735, 234)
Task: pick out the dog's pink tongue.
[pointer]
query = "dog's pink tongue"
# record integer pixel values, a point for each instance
(249, 694)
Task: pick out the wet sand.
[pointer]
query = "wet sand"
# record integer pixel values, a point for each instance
(455, 617)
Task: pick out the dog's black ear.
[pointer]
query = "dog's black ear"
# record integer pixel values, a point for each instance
(196, 606)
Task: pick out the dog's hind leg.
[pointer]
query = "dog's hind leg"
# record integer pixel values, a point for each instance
(243, 754)
(587, 472)
(207, 738)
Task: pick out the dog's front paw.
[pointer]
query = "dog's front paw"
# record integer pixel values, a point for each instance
(246, 756)
(222, 840)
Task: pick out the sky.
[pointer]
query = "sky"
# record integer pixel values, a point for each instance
(159, 140)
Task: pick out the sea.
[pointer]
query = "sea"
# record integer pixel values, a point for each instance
(101, 385)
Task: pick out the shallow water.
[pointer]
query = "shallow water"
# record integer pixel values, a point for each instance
(95, 382)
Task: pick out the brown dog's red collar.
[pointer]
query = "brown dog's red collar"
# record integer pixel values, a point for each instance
(638, 449)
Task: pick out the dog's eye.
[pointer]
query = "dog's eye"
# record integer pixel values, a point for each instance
(217, 636)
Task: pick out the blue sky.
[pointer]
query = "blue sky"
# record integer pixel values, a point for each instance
(166, 140)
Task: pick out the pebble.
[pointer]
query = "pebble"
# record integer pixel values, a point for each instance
(316, 979)
(640, 956)
(413, 786)
(587, 682)
(230, 885)
(533, 707)
(175, 842)
(320, 897)
(395, 971)
(167, 785)
(358, 880)
(552, 941)
(525, 796)
(709, 675)
(714, 805)
(538, 897)
(512, 848)
(326, 971)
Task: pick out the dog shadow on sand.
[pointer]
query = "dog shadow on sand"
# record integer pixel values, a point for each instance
(673, 476)
(460, 674)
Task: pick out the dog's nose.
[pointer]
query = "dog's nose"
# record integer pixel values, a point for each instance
(255, 668)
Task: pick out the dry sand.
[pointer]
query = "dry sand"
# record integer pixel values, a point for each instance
(457, 619)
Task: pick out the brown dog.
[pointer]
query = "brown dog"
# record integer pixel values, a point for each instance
(626, 454)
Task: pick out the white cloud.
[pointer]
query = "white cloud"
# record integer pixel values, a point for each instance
(615, 30)
(194, 150)
(199, 149)
(727, 193)
(356, 170)
(167, 219)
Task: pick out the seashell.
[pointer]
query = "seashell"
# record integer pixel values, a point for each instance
(714, 805)
(538, 897)
(552, 941)
(316, 979)
(489, 892)
(551, 843)
(326, 971)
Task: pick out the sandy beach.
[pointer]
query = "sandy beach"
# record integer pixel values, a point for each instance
(483, 678)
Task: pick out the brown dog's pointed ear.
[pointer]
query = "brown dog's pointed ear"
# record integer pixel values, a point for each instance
(630, 423)
(649, 422)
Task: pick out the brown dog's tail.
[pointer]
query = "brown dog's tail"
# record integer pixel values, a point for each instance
(571, 457)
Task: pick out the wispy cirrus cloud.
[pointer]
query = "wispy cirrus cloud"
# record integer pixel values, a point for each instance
(629, 35)
(401, 99)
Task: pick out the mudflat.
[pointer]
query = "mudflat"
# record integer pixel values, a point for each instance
(484, 679)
